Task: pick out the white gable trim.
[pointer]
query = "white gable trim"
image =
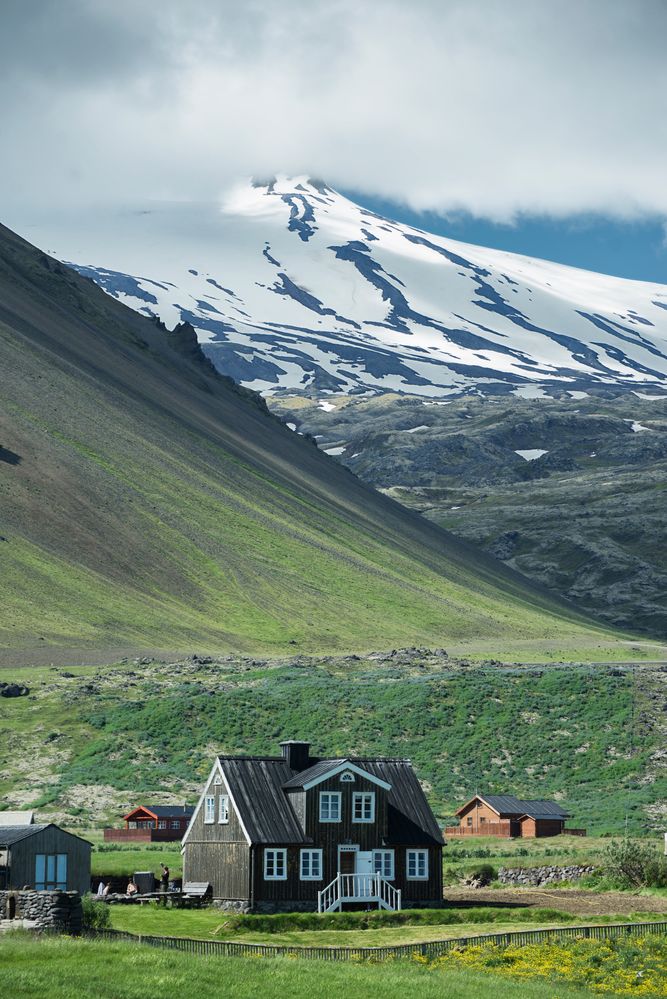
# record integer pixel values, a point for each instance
(216, 769)
(338, 768)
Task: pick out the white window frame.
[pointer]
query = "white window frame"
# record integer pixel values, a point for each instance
(420, 859)
(175, 823)
(162, 823)
(274, 859)
(217, 780)
(336, 795)
(383, 856)
(361, 797)
(209, 809)
(223, 809)
(308, 855)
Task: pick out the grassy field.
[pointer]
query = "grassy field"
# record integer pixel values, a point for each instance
(68, 969)
(440, 925)
(95, 740)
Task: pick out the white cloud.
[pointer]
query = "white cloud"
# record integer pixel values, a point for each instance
(489, 106)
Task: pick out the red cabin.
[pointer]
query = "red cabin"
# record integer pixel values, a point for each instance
(153, 824)
(506, 816)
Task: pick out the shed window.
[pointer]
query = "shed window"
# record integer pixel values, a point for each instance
(209, 808)
(175, 823)
(417, 865)
(162, 824)
(363, 806)
(469, 820)
(275, 865)
(311, 865)
(383, 863)
(223, 810)
(51, 871)
(329, 806)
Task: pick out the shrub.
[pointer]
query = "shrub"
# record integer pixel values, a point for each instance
(96, 915)
(635, 865)
(484, 873)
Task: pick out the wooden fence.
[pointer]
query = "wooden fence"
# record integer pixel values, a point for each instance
(505, 829)
(431, 949)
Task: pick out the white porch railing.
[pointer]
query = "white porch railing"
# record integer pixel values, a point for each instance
(358, 888)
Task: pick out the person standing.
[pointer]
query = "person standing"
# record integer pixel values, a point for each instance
(164, 878)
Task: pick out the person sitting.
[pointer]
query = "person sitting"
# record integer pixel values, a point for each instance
(131, 888)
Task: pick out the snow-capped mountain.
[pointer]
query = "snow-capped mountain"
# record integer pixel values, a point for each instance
(291, 286)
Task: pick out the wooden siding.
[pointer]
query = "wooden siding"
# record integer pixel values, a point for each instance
(51, 840)
(218, 852)
(294, 889)
(369, 835)
(216, 832)
(531, 828)
(225, 865)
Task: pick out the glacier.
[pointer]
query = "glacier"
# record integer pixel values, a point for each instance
(292, 287)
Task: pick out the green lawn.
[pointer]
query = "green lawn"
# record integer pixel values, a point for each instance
(444, 924)
(68, 969)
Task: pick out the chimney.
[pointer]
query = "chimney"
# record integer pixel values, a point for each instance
(296, 754)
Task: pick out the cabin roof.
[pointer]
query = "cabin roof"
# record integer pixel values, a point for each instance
(163, 811)
(14, 834)
(21, 818)
(508, 804)
(260, 786)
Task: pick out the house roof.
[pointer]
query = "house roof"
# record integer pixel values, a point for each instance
(508, 804)
(22, 818)
(14, 834)
(260, 786)
(164, 811)
(320, 771)
(256, 785)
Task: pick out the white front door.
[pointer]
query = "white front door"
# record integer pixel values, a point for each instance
(364, 862)
(364, 881)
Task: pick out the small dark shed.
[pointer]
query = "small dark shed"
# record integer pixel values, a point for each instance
(44, 857)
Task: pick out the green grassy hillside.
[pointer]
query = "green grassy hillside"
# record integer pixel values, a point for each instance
(147, 503)
(97, 740)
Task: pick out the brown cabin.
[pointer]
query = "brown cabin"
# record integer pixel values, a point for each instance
(296, 832)
(153, 824)
(506, 816)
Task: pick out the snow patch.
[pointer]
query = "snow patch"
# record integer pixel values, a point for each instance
(335, 450)
(531, 454)
(530, 392)
(414, 430)
(326, 406)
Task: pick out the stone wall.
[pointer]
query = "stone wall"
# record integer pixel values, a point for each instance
(42, 910)
(534, 876)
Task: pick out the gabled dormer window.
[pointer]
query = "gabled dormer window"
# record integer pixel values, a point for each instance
(329, 806)
(363, 806)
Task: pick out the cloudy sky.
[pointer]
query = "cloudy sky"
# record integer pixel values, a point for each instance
(486, 112)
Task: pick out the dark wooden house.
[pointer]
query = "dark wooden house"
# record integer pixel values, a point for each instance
(506, 816)
(153, 824)
(43, 857)
(295, 832)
